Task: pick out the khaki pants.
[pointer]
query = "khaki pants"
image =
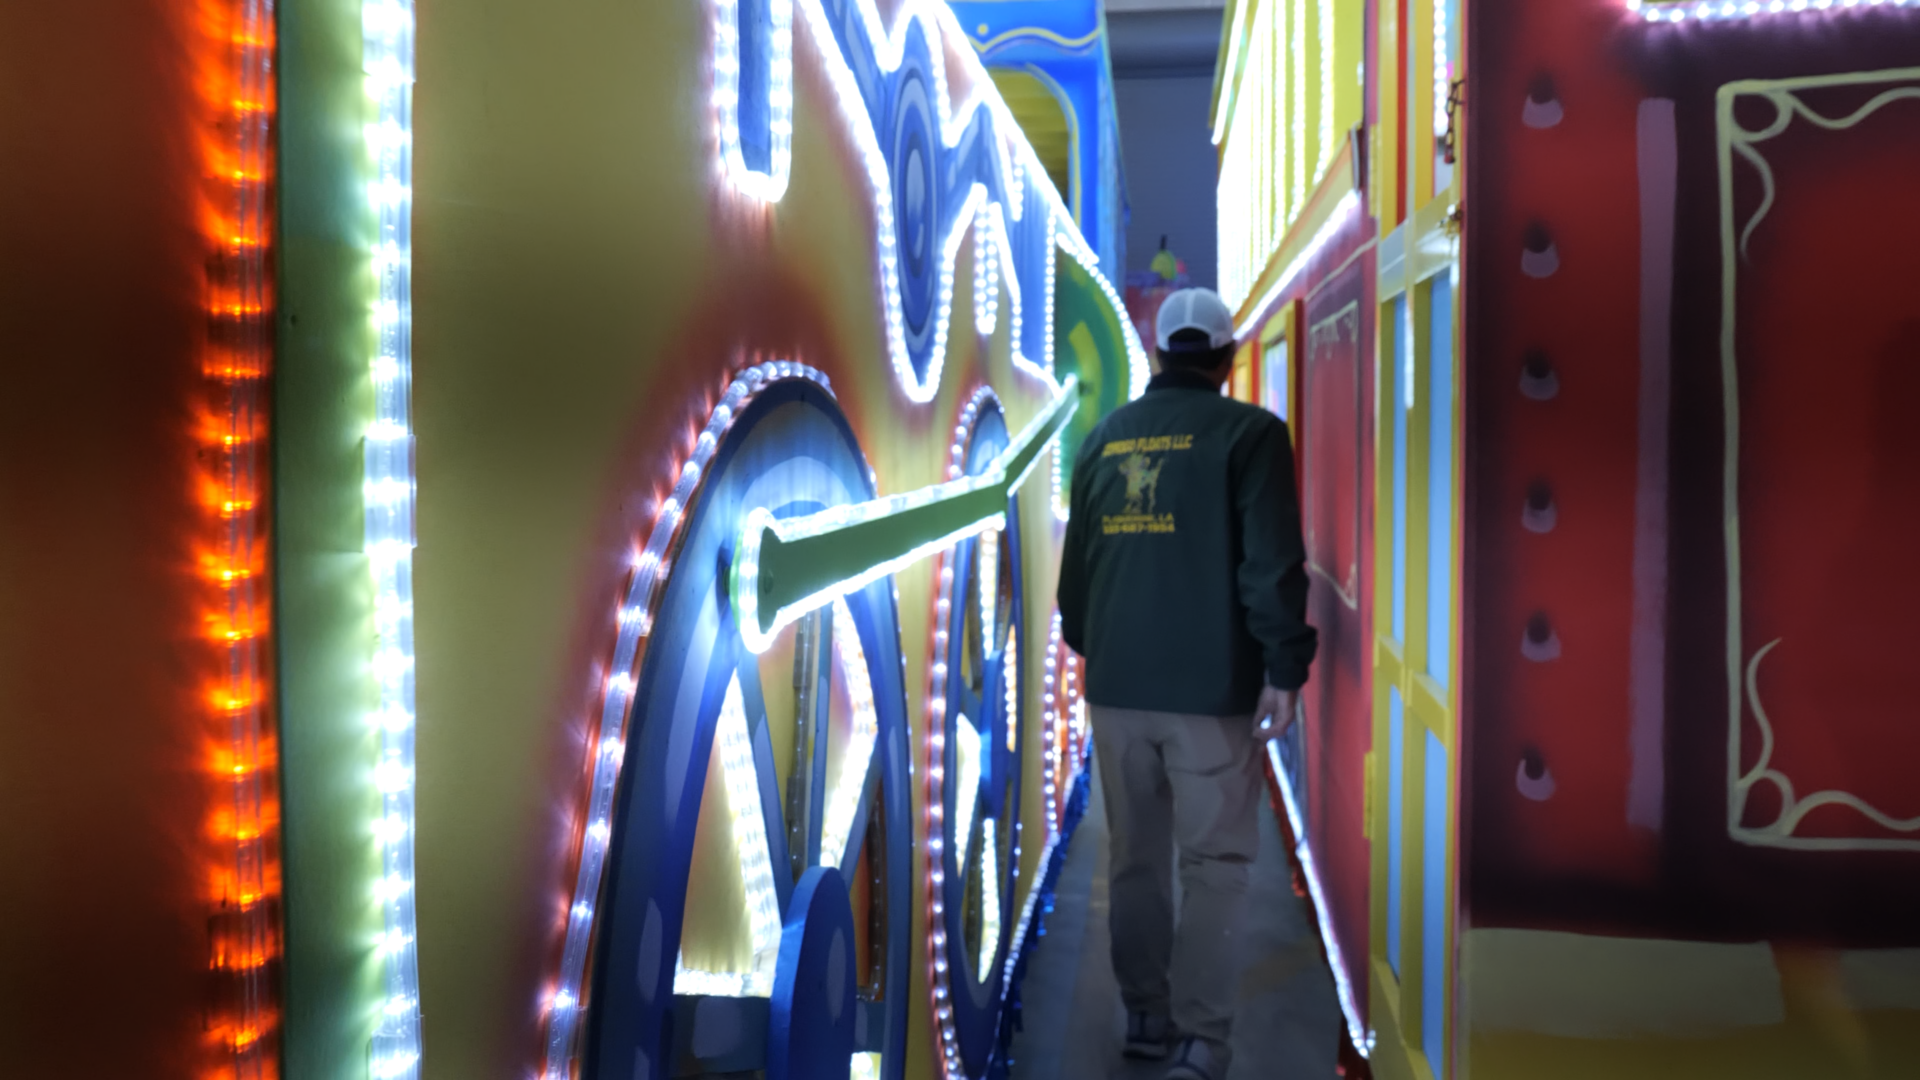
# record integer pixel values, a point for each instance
(1194, 780)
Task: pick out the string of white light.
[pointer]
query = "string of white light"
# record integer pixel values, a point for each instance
(989, 896)
(851, 784)
(986, 280)
(1442, 68)
(1298, 199)
(966, 755)
(634, 626)
(387, 30)
(1264, 147)
(1026, 918)
(766, 186)
(1734, 10)
(989, 556)
(1357, 1031)
(939, 976)
(1051, 757)
(1323, 17)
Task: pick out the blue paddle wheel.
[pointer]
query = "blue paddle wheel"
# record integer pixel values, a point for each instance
(756, 912)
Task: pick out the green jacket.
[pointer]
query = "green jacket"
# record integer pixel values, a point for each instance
(1184, 581)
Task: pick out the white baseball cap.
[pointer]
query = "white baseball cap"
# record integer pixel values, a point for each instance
(1194, 309)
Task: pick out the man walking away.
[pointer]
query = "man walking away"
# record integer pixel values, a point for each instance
(1183, 585)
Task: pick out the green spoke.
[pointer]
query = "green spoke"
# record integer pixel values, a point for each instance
(789, 568)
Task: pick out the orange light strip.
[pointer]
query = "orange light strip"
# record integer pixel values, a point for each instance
(243, 827)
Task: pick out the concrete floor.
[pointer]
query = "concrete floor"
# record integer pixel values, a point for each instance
(1289, 1020)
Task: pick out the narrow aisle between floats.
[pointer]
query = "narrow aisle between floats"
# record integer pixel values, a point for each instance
(1072, 1022)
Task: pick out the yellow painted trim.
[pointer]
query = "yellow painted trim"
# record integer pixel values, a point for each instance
(1419, 103)
(1349, 52)
(1383, 149)
(1431, 701)
(1435, 251)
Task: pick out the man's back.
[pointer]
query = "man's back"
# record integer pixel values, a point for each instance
(1182, 580)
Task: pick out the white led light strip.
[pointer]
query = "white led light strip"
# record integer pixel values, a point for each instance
(1010, 681)
(938, 976)
(1264, 171)
(635, 624)
(767, 186)
(1230, 73)
(857, 761)
(989, 896)
(387, 61)
(1298, 108)
(1062, 759)
(987, 254)
(1728, 10)
(1442, 75)
(989, 579)
(749, 830)
(1357, 1031)
(1026, 917)
(1052, 753)
(966, 754)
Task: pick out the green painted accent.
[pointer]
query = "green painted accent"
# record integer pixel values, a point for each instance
(792, 571)
(324, 630)
(1090, 343)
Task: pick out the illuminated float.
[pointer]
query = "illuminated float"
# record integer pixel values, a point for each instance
(607, 460)
(746, 842)
(1583, 316)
